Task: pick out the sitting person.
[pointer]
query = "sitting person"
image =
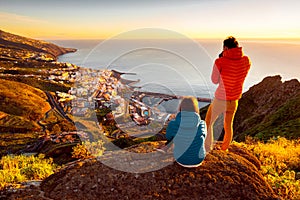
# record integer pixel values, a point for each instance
(188, 133)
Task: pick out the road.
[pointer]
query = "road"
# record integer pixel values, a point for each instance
(54, 104)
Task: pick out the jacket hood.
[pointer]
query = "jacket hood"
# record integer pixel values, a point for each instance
(188, 119)
(234, 53)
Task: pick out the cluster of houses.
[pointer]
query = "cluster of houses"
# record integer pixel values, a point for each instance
(26, 55)
(40, 57)
(67, 73)
(79, 99)
(93, 89)
(139, 112)
(103, 90)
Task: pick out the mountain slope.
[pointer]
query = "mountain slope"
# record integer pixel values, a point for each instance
(19, 43)
(32, 62)
(26, 65)
(269, 109)
(22, 100)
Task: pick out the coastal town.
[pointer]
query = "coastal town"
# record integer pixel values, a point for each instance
(48, 107)
(104, 132)
(114, 100)
(83, 92)
(101, 91)
(80, 92)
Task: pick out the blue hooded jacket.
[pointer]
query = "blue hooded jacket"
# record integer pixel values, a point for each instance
(188, 133)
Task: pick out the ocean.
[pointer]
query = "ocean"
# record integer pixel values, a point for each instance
(182, 67)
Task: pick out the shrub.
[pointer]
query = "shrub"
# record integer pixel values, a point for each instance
(280, 159)
(88, 150)
(18, 168)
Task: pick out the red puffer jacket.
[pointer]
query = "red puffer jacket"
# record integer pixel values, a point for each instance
(230, 72)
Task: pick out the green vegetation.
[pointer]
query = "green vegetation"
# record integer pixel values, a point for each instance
(15, 169)
(284, 122)
(270, 108)
(26, 65)
(280, 160)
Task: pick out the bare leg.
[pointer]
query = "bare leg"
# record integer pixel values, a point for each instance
(228, 123)
(211, 116)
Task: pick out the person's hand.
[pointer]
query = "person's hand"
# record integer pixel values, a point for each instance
(221, 55)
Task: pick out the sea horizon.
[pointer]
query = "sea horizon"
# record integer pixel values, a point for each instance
(268, 57)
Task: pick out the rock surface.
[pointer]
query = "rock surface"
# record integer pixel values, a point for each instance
(223, 175)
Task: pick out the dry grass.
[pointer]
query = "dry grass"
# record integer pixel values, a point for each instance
(22, 100)
(280, 160)
(16, 169)
(88, 150)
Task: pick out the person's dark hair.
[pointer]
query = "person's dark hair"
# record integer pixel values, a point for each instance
(230, 42)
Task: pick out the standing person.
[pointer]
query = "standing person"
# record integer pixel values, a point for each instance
(188, 133)
(229, 72)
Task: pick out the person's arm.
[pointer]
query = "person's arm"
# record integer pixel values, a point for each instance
(215, 76)
(171, 130)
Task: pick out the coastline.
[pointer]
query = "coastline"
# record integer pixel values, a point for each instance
(106, 107)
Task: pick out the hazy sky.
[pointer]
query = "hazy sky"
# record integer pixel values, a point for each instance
(194, 18)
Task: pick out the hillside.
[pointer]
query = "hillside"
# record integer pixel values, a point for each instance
(22, 100)
(21, 108)
(28, 68)
(269, 109)
(14, 45)
(32, 62)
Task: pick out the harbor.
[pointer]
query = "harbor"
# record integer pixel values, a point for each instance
(118, 102)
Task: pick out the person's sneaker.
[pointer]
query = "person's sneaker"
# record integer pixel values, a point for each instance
(162, 149)
(226, 150)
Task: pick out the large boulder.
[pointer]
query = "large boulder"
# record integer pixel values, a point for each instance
(223, 175)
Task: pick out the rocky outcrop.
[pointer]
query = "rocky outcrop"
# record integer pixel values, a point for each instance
(223, 175)
(270, 108)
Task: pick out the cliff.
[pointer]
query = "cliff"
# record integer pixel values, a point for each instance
(269, 109)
